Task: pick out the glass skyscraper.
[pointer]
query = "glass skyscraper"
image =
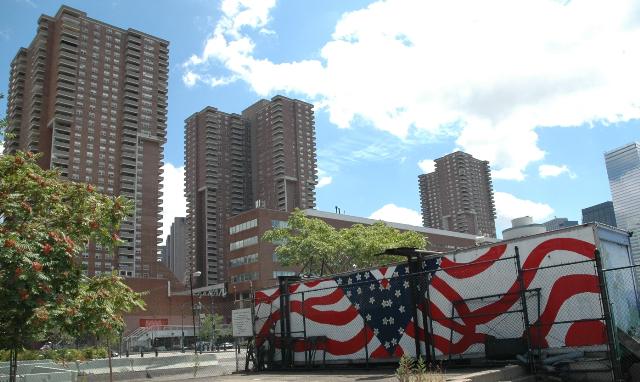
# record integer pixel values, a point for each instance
(623, 169)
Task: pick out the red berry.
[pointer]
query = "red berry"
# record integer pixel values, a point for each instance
(36, 266)
(46, 249)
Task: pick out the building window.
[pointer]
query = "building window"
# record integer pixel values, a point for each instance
(279, 224)
(243, 243)
(248, 276)
(248, 259)
(243, 226)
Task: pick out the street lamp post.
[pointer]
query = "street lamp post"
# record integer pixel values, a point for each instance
(182, 326)
(193, 309)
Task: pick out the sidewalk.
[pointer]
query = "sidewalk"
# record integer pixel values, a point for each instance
(384, 375)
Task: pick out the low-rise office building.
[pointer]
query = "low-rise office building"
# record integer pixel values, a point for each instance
(252, 262)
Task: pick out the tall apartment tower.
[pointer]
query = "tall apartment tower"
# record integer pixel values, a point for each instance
(458, 195)
(623, 169)
(283, 152)
(265, 157)
(217, 186)
(92, 99)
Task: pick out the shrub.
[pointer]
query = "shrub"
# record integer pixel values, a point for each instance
(410, 370)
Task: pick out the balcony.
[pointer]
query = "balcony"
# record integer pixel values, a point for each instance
(130, 80)
(130, 110)
(71, 72)
(66, 86)
(64, 111)
(130, 88)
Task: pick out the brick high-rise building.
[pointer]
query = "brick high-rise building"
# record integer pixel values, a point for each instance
(283, 152)
(458, 195)
(265, 157)
(92, 98)
(216, 186)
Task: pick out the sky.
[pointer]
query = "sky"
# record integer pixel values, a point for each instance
(539, 88)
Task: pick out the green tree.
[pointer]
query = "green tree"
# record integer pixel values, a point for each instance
(45, 223)
(213, 328)
(98, 309)
(319, 247)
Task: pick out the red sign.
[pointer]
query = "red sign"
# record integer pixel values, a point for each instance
(145, 322)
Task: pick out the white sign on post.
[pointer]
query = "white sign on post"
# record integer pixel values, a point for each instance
(241, 322)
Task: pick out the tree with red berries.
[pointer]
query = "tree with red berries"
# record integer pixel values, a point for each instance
(45, 223)
(98, 309)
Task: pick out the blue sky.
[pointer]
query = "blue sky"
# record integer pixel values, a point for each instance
(541, 89)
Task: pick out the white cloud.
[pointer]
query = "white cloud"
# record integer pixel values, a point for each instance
(427, 165)
(509, 207)
(174, 203)
(190, 78)
(485, 72)
(549, 170)
(323, 178)
(324, 181)
(392, 213)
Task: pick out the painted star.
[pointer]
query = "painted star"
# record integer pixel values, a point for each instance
(349, 281)
(339, 281)
(406, 284)
(385, 321)
(401, 308)
(358, 277)
(368, 317)
(394, 342)
(391, 320)
(359, 290)
(375, 331)
(400, 331)
(348, 293)
(372, 300)
(357, 306)
(386, 344)
(366, 275)
(398, 293)
(372, 287)
(395, 274)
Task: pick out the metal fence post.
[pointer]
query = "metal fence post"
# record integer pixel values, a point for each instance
(613, 353)
(425, 281)
(412, 262)
(525, 310)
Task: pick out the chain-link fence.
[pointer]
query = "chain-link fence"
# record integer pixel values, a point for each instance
(556, 317)
(568, 316)
(624, 306)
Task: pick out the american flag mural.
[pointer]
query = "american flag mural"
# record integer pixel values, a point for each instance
(471, 295)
